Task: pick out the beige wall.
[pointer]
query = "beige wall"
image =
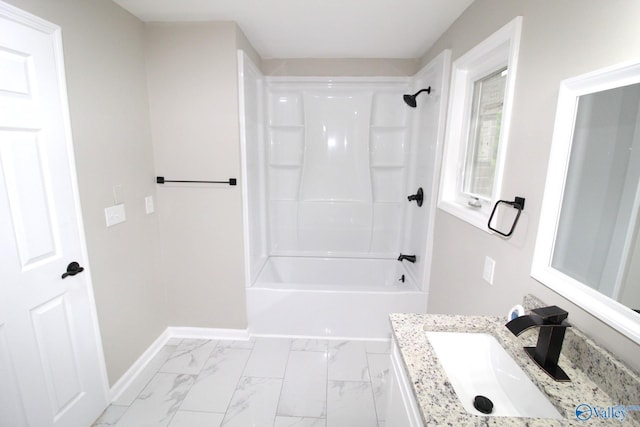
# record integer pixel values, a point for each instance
(193, 94)
(560, 39)
(104, 60)
(339, 67)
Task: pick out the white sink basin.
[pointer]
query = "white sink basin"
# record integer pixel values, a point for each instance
(476, 364)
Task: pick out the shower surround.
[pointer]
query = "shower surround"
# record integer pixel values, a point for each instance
(336, 167)
(328, 165)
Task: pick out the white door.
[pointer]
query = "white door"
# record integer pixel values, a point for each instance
(51, 364)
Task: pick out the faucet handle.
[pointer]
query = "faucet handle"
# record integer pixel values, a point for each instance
(523, 323)
(552, 315)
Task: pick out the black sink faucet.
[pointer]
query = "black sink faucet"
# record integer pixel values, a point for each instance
(552, 324)
(410, 258)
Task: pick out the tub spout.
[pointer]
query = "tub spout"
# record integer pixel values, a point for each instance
(410, 258)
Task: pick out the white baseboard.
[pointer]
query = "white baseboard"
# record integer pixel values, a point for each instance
(138, 366)
(208, 333)
(129, 377)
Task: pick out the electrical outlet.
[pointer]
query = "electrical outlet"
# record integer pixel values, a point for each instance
(489, 267)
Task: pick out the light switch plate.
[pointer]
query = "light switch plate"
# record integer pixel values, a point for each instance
(148, 205)
(489, 267)
(115, 214)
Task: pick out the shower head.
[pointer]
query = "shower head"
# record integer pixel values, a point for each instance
(410, 100)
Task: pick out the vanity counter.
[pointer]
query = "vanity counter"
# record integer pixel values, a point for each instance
(613, 385)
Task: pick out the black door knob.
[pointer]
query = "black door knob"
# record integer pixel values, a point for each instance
(418, 197)
(73, 269)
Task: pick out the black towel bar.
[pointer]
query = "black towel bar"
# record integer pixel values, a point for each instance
(231, 181)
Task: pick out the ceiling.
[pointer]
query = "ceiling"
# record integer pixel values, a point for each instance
(319, 28)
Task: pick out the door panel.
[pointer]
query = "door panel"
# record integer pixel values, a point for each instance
(54, 338)
(11, 407)
(33, 221)
(16, 68)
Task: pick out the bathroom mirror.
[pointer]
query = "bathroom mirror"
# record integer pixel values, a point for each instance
(588, 249)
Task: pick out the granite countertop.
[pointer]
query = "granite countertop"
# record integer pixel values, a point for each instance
(439, 404)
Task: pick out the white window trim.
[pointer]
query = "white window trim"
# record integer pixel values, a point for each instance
(498, 50)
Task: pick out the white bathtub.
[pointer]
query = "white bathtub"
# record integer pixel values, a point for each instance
(330, 297)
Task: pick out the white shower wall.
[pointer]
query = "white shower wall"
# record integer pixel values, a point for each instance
(328, 164)
(337, 154)
(427, 134)
(253, 166)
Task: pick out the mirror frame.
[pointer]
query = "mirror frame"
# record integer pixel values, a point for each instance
(616, 315)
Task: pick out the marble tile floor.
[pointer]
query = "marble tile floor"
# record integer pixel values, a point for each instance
(262, 382)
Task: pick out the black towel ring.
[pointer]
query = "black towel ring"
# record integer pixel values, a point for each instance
(518, 203)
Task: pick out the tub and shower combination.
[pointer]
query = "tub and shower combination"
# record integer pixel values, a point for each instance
(328, 165)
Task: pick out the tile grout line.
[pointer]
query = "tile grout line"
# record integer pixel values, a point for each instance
(217, 342)
(326, 345)
(284, 374)
(238, 382)
(373, 394)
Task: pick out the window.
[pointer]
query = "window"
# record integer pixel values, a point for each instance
(478, 126)
(484, 135)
